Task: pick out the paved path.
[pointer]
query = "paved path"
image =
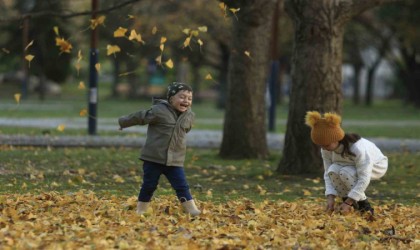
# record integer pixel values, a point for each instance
(196, 138)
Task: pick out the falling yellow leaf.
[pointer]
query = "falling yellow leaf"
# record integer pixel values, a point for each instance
(79, 56)
(17, 97)
(61, 127)
(98, 67)
(154, 30)
(83, 112)
(169, 64)
(29, 58)
(131, 16)
(64, 45)
(159, 60)
(29, 45)
(55, 28)
(162, 40)
(234, 12)
(186, 31)
(247, 53)
(5, 50)
(208, 77)
(187, 42)
(135, 36)
(200, 42)
(112, 49)
(194, 33)
(97, 21)
(120, 32)
(202, 29)
(81, 86)
(161, 47)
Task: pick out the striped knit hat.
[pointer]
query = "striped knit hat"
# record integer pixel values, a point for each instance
(324, 130)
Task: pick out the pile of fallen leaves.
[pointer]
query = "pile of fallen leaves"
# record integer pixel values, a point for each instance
(83, 220)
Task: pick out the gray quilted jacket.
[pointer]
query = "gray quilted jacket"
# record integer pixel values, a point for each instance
(166, 135)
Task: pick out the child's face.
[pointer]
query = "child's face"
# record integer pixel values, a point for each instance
(182, 100)
(330, 147)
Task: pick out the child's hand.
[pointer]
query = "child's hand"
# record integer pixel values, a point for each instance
(344, 208)
(330, 204)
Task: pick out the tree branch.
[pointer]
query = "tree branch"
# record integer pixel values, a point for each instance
(65, 15)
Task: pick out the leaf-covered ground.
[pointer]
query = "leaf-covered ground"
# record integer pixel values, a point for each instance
(84, 220)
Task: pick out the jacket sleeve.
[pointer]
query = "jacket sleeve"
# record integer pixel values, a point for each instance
(364, 165)
(142, 117)
(326, 158)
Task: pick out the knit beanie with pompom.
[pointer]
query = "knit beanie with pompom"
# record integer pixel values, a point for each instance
(324, 129)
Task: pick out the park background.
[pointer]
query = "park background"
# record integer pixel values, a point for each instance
(88, 192)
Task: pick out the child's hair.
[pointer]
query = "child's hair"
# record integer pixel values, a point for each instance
(346, 141)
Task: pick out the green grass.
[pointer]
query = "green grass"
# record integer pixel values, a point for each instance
(30, 169)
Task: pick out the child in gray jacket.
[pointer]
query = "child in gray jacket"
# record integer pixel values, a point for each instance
(165, 148)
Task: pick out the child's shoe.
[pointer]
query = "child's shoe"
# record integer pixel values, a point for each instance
(191, 208)
(364, 206)
(142, 207)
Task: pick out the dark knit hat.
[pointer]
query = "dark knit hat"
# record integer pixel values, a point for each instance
(175, 87)
(324, 130)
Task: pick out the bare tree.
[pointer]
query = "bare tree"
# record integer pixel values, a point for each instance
(316, 73)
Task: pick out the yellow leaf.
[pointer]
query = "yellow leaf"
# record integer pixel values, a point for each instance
(83, 112)
(17, 97)
(131, 16)
(64, 45)
(29, 57)
(81, 85)
(247, 53)
(162, 40)
(97, 21)
(98, 67)
(79, 56)
(159, 60)
(120, 32)
(118, 179)
(154, 30)
(186, 31)
(135, 36)
(208, 77)
(194, 33)
(61, 127)
(202, 29)
(5, 50)
(162, 46)
(29, 45)
(234, 10)
(169, 64)
(187, 42)
(57, 33)
(112, 49)
(200, 42)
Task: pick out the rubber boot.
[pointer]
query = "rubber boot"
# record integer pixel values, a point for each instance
(364, 206)
(142, 207)
(191, 208)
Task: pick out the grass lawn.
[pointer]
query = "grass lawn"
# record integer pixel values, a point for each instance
(117, 171)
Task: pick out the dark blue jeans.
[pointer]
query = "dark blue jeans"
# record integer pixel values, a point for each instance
(175, 175)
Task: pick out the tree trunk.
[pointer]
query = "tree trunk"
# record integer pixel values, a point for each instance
(316, 74)
(356, 83)
(244, 133)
